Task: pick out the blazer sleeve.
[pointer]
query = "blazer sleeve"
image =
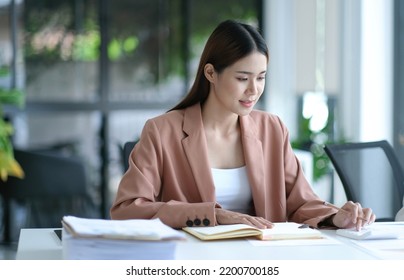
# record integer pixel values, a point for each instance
(142, 189)
(303, 205)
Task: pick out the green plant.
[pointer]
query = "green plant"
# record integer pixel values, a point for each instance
(8, 165)
(312, 141)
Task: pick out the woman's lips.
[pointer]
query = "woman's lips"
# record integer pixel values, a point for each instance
(247, 103)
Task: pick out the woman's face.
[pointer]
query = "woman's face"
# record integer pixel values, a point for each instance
(238, 87)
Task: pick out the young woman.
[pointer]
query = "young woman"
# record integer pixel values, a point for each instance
(213, 159)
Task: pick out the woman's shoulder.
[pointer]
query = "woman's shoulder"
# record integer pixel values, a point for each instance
(265, 118)
(166, 125)
(174, 116)
(191, 114)
(264, 124)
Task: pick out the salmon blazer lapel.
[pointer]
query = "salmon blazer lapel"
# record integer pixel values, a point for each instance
(195, 148)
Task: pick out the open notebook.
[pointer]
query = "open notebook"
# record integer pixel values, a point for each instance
(281, 231)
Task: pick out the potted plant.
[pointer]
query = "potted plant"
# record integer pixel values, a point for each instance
(8, 165)
(313, 141)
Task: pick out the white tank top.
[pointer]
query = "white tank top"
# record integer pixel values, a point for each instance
(233, 190)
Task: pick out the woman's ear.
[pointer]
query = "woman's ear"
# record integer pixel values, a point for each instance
(209, 72)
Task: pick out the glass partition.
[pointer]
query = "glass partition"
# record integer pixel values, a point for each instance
(96, 70)
(61, 50)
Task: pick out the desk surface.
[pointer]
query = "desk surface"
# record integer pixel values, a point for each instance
(44, 244)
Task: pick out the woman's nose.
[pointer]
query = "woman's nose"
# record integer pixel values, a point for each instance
(253, 87)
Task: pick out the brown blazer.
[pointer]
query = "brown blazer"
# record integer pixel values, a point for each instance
(169, 175)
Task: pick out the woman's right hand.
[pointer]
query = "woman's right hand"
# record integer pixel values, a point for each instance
(226, 217)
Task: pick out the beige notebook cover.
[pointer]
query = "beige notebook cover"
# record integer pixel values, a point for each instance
(281, 231)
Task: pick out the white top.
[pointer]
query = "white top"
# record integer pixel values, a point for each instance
(233, 190)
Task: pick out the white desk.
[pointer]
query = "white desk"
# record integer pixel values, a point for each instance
(43, 244)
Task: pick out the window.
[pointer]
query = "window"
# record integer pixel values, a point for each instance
(96, 70)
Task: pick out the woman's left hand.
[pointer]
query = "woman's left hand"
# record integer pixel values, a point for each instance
(226, 217)
(352, 215)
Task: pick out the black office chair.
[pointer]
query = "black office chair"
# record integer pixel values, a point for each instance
(54, 186)
(371, 175)
(126, 150)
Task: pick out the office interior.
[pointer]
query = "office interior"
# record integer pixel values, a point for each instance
(93, 71)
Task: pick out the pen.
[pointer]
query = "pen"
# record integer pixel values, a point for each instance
(340, 209)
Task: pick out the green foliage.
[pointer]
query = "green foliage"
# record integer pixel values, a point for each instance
(86, 47)
(12, 97)
(314, 142)
(118, 48)
(70, 31)
(8, 164)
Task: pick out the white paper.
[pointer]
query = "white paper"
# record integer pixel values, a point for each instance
(122, 229)
(295, 242)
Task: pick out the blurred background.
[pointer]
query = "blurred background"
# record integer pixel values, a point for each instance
(87, 74)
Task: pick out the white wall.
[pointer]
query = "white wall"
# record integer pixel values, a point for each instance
(357, 62)
(291, 36)
(357, 65)
(279, 21)
(376, 102)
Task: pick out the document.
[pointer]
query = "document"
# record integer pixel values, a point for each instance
(133, 229)
(137, 239)
(280, 231)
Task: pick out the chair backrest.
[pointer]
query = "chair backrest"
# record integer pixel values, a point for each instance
(54, 185)
(371, 175)
(127, 149)
(47, 175)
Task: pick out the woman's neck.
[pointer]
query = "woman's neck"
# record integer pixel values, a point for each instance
(223, 138)
(217, 120)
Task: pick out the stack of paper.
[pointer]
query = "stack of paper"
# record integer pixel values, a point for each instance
(99, 239)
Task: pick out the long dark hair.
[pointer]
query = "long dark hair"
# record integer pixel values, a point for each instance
(229, 42)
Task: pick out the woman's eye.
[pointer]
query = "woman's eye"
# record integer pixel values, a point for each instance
(261, 78)
(242, 79)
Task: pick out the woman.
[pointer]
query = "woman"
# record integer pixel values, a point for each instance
(212, 159)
